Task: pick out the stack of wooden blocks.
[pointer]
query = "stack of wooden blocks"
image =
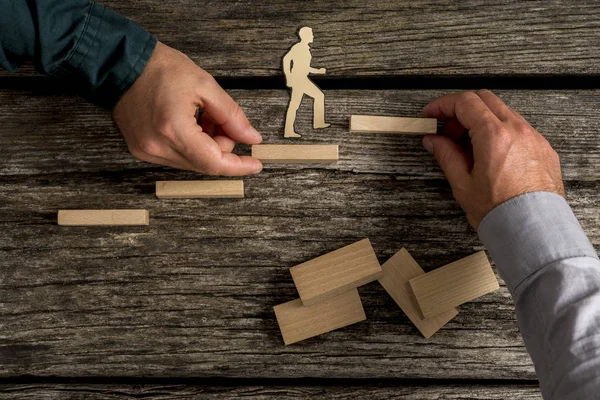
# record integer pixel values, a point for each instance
(329, 297)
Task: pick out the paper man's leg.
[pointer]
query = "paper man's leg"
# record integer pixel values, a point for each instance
(290, 119)
(313, 91)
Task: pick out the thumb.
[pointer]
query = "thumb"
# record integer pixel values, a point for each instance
(227, 113)
(451, 158)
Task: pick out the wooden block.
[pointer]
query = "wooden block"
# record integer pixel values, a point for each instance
(397, 271)
(331, 274)
(295, 153)
(200, 189)
(103, 217)
(375, 124)
(454, 284)
(298, 322)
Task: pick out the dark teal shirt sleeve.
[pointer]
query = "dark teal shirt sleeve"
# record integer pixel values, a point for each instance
(96, 50)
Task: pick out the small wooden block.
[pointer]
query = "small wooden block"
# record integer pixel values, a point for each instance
(454, 284)
(200, 189)
(331, 274)
(298, 322)
(375, 124)
(397, 271)
(103, 217)
(295, 153)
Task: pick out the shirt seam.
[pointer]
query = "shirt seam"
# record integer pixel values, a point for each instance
(560, 260)
(84, 55)
(79, 40)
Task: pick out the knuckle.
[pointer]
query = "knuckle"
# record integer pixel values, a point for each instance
(444, 158)
(238, 114)
(166, 129)
(468, 96)
(212, 169)
(484, 92)
(496, 128)
(150, 148)
(211, 164)
(526, 131)
(236, 110)
(205, 79)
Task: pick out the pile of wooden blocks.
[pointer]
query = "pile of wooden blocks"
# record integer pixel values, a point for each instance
(329, 297)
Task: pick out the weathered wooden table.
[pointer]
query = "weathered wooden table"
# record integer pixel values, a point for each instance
(184, 307)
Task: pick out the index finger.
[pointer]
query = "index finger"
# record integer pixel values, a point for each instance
(206, 156)
(226, 113)
(467, 107)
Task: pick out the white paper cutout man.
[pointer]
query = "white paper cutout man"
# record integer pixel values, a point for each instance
(296, 66)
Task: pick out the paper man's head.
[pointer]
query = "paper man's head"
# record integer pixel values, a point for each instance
(306, 34)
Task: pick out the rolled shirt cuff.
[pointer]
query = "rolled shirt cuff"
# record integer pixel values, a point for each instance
(108, 57)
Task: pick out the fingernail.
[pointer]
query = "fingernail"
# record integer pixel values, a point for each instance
(255, 133)
(428, 144)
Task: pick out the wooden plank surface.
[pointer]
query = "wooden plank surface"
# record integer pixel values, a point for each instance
(296, 153)
(103, 217)
(206, 189)
(299, 322)
(192, 294)
(277, 392)
(59, 134)
(398, 125)
(232, 38)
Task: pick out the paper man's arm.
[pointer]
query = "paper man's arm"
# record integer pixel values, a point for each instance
(287, 63)
(318, 71)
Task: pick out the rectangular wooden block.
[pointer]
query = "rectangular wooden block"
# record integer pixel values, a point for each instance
(200, 189)
(298, 322)
(103, 217)
(376, 124)
(454, 284)
(336, 272)
(397, 271)
(295, 153)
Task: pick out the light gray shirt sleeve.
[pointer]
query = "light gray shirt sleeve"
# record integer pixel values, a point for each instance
(553, 273)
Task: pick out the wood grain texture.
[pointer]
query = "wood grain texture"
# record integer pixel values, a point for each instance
(232, 38)
(103, 217)
(61, 134)
(454, 284)
(299, 322)
(206, 189)
(192, 294)
(397, 271)
(296, 153)
(176, 392)
(404, 125)
(327, 276)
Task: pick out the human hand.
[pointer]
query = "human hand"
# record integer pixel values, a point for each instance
(502, 156)
(158, 118)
